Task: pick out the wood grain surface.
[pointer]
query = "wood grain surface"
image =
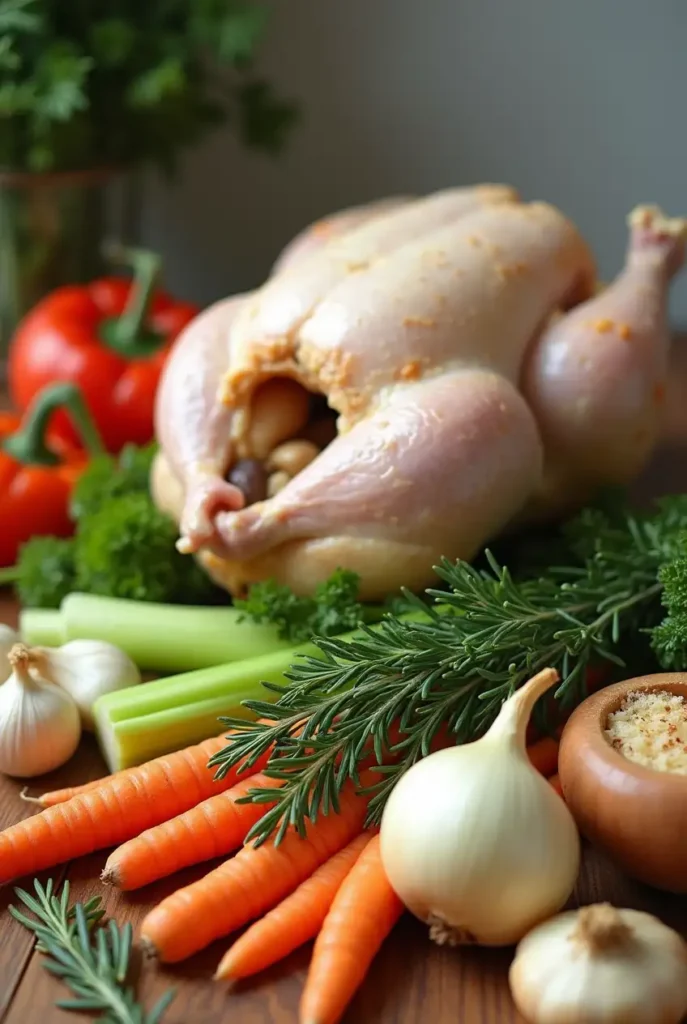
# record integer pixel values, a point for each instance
(411, 981)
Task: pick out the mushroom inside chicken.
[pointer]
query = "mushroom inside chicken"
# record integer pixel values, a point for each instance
(413, 378)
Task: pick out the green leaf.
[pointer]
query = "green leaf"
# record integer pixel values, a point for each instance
(60, 79)
(10, 60)
(265, 120)
(240, 32)
(151, 88)
(20, 16)
(16, 99)
(112, 41)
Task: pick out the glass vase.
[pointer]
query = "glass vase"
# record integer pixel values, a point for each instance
(52, 229)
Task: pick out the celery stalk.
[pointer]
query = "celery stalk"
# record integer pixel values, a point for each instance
(42, 627)
(158, 637)
(143, 722)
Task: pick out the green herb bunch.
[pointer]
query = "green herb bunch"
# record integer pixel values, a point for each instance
(124, 546)
(87, 83)
(333, 609)
(393, 687)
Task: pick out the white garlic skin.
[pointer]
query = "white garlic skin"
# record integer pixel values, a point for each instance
(39, 727)
(556, 980)
(8, 638)
(86, 669)
(475, 838)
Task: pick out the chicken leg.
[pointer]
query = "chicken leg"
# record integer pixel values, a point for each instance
(596, 380)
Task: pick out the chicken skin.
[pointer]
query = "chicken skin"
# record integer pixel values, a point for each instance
(470, 373)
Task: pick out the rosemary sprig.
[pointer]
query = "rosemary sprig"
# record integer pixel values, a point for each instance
(392, 687)
(92, 961)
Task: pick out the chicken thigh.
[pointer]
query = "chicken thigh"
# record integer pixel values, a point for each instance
(476, 376)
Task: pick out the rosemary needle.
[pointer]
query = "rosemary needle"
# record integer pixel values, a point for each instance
(393, 686)
(92, 961)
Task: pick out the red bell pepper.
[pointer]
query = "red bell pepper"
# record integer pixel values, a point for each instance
(111, 337)
(38, 469)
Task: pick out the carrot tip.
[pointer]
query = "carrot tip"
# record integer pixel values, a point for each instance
(30, 799)
(229, 982)
(109, 876)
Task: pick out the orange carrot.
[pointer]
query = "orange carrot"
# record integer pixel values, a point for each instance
(293, 921)
(122, 806)
(556, 783)
(60, 796)
(217, 825)
(544, 755)
(253, 881)
(363, 912)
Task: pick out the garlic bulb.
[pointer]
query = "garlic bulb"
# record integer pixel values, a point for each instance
(475, 841)
(601, 965)
(8, 638)
(86, 669)
(39, 723)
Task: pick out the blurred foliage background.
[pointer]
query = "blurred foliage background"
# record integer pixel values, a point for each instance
(87, 83)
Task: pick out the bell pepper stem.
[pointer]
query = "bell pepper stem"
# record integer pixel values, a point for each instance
(28, 444)
(128, 334)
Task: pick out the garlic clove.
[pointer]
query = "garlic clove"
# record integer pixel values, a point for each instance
(8, 638)
(277, 482)
(291, 457)
(39, 723)
(86, 669)
(475, 841)
(601, 965)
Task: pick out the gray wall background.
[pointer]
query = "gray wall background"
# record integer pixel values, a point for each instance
(581, 103)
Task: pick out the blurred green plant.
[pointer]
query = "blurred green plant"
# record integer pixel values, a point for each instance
(87, 83)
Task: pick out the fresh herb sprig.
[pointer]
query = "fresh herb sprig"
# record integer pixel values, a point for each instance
(334, 608)
(394, 686)
(92, 961)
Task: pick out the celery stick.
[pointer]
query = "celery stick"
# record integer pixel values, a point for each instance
(42, 627)
(146, 721)
(163, 637)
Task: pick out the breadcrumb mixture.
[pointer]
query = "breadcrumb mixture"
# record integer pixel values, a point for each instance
(651, 729)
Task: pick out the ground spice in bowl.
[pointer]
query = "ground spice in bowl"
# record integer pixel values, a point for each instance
(650, 728)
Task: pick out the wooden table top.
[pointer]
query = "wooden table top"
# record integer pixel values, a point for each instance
(411, 979)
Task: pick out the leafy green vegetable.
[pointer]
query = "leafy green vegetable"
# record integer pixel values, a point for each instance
(46, 572)
(333, 609)
(123, 82)
(123, 545)
(669, 639)
(107, 477)
(127, 549)
(486, 634)
(92, 961)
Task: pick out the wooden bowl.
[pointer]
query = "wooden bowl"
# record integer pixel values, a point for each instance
(636, 814)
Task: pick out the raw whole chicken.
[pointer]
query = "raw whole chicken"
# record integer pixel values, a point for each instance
(415, 377)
